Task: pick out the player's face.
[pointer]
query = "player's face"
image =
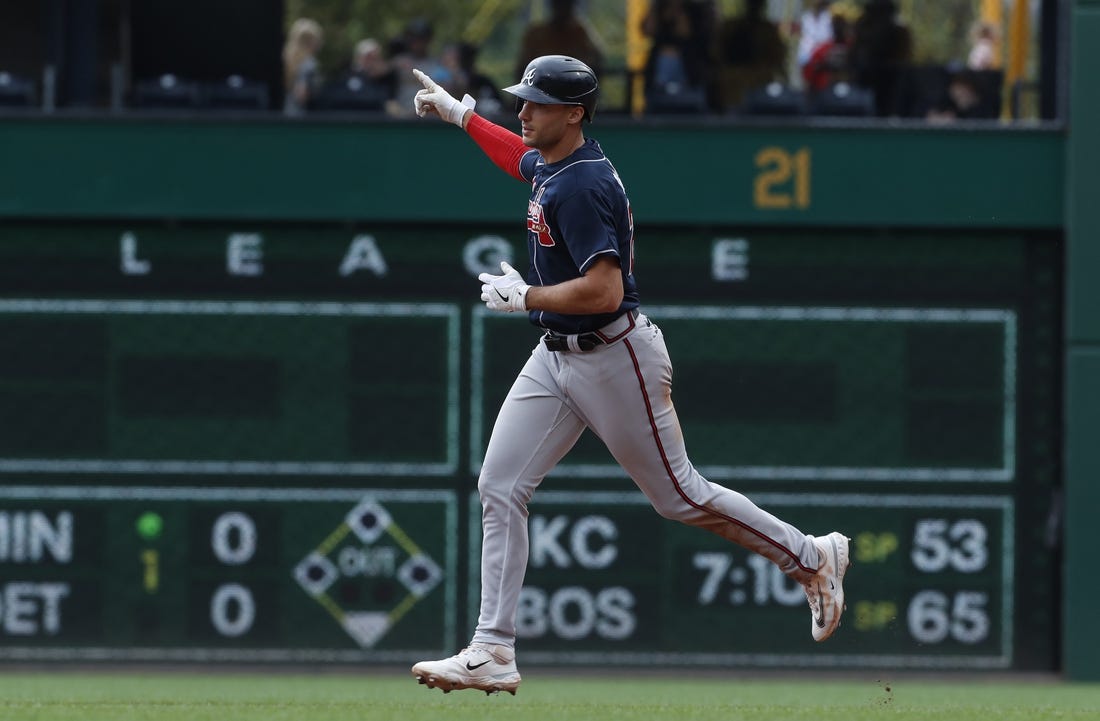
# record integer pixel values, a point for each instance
(544, 126)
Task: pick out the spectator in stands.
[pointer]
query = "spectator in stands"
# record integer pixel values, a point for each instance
(679, 70)
(460, 59)
(751, 54)
(563, 33)
(414, 52)
(371, 66)
(962, 99)
(985, 52)
(368, 84)
(828, 63)
(301, 71)
(881, 49)
(815, 28)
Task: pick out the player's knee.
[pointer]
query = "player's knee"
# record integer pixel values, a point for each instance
(679, 512)
(489, 491)
(495, 491)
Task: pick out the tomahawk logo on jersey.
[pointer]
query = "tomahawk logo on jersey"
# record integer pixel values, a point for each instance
(539, 230)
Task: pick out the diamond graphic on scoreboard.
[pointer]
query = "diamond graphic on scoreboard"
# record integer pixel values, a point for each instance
(315, 574)
(420, 575)
(367, 627)
(368, 521)
(354, 573)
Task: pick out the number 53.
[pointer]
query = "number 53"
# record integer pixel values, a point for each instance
(783, 178)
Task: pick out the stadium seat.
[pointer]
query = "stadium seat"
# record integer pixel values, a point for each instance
(773, 99)
(351, 93)
(16, 92)
(843, 99)
(236, 93)
(920, 88)
(990, 85)
(675, 100)
(167, 91)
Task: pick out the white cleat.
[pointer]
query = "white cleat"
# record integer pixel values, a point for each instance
(825, 591)
(486, 667)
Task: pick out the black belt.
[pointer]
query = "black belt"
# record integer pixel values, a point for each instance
(559, 342)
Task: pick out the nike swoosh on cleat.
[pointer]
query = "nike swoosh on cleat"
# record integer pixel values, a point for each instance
(476, 666)
(820, 610)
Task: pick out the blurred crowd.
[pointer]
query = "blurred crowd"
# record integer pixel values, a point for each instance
(839, 57)
(379, 73)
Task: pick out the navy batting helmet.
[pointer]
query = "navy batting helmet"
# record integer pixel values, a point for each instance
(558, 80)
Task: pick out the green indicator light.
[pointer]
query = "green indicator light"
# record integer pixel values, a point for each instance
(149, 525)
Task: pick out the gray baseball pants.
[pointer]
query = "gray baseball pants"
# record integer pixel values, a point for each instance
(623, 392)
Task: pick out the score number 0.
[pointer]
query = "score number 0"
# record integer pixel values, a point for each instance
(233, 540)
(782, 179)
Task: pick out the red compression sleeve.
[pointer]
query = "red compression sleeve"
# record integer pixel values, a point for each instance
(503, 147)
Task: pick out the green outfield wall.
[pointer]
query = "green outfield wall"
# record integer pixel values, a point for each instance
(918, 268)
(1082, 636)
(394, 171)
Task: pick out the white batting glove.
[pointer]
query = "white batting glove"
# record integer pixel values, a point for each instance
(434, 99)
(506, 293)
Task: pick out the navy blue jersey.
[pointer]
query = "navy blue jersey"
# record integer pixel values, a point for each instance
(578, 213)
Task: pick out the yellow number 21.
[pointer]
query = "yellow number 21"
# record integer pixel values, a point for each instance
(783, 178)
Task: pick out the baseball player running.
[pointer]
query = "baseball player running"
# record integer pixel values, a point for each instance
(601, 364)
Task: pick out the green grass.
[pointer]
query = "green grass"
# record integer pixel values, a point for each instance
(116, 696)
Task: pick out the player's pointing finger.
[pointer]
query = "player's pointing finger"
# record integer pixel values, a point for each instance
(426, 81)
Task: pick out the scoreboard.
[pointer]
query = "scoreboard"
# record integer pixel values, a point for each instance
(229, 574)
(877, 396)
(225, 388)
(260, 442)
(931, 585)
